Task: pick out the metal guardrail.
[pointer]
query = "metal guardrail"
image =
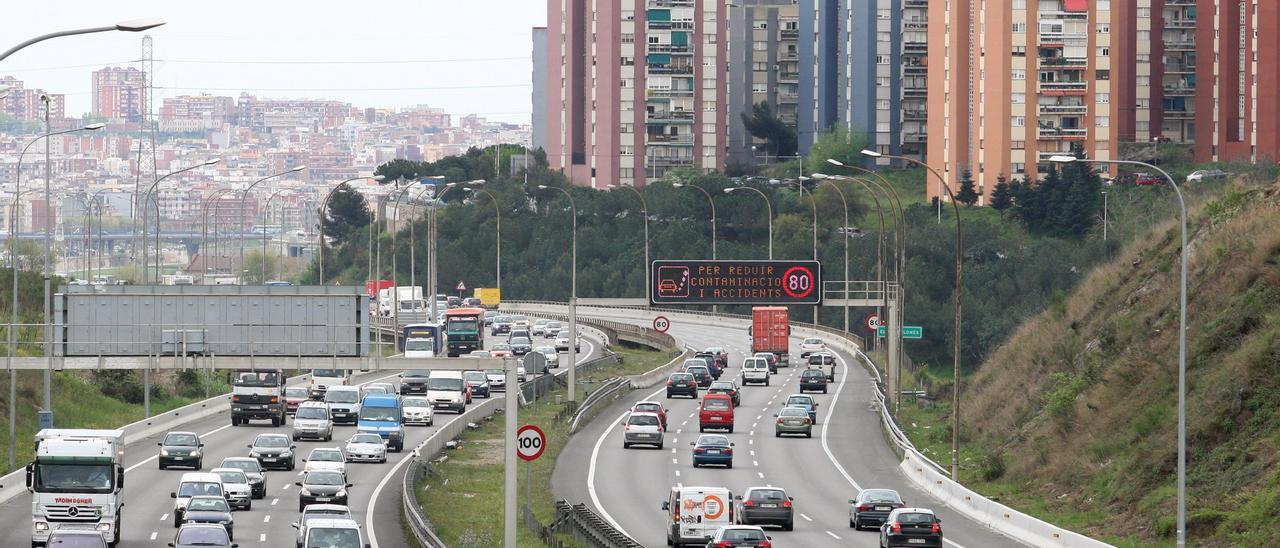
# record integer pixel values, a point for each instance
(590, 528)
(606, 392)
(416, 519)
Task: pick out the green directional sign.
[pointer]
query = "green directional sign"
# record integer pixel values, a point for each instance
(908, 332)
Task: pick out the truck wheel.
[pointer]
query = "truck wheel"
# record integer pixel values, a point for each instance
(115, 536)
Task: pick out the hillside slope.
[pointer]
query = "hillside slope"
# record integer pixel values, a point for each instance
(1077, 412)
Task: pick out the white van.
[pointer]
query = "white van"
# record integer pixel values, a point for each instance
(447, 390)
(755, 370)
(194, 484)
(694, 513)
(322, 379)
(344, 404)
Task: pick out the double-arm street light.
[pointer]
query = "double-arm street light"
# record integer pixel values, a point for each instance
(844, 208)
(573, 294)
(148, 196)
(644, 209)
(955, 412)
(1182, 336)
(497, 211)
(244, 196)
(768, 207)
(204, 233)
(324, 215)
(814, 205)
(433, 243)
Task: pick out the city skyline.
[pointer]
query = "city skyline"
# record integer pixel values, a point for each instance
(223, 52)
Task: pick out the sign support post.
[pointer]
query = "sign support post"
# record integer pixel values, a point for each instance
(509, 466)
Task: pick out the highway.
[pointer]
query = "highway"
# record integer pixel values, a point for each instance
(148, 517)
(847, 453)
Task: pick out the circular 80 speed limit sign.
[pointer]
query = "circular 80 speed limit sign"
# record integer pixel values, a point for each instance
(530, 442)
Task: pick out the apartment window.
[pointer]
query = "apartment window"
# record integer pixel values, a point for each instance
(1019, 4)
(627, 172)
(628, 38)
(626, 83)
(711, 37)
(626, 150)
(759, 87)
(1019, 121)
(882, 59)
(708, 152)
(628, 61)
(1101, 5)
(882, 14)
(1104, 51)
(709, 61)
(882, 104)
(626, 128)
(1018, 74)
(1144, 103)
(1144, 13)
(1104, 98)
(759, 46)
(1143, 57)
(882, 127)
(628, 15)
(1019, 167)
(791, 25)
(1103, 121)
(1018, 145)
(1144, 36)
(653, 39)
(1104, 28)
(1019, 51)
(708, 106)
(1018, 98)
(882, 82)
(1103, 74)
(1019, 28)
(708, 128)
(759, 25)
(1142, 80)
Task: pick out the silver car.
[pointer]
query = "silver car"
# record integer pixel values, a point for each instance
(312, 421)
(318, 511)
(416, 410)
(251, 468)
(793, 420)
(549, 352)
(367, 447)
(235, 485)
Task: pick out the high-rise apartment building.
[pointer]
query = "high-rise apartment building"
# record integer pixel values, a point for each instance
(1237, 101)
(26, 104)
(764, 67)
(119, 94)
(538, 136)
(196, 112)
(635, 88)
(1016, 83)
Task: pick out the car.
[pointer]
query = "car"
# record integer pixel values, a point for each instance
(766, 506)
(500, 325)
(562, 342)
(75, 538)
(417, 410)
(521, 345)
(381, 414)
(312, 421)
(500, 350)
(371, 389)
(911, 527)
(726, 387)
(322, 486)
(318, 512)
(212, 510)
(552, 329)
(712, 449)
(550, 353)
(813, 380)
(181, 449)
(822, 360)
(447, 390)
(1206, 175)
(293, 396)
(325, 458)
(715, 411)
(472, 302)
(873, 506)
(334, 533)
(203, 535)
(701, 375)
(478, 381)
(235, 487)
(651, 407)
(770, 358)
(642, 429)
(711, 362)
(792, 420)
(539, 326)
(733, 536)
(390, 388)
(497, 379)
(720, 353)
(520, 322)
(344, 404)
(194, 484)
(755, 370)
(811, 345)
(251, 468)
(520, 373)
(1145, 179)
(806, 401)
(273, 451)
(414, 381)
(517, 331)
(454, 302)
(366, 446)
(489, 315)
(682, 384)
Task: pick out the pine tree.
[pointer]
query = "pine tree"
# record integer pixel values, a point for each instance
(968, 194)
(1001, 196)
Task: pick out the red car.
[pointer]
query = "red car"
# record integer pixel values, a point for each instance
(715, 411)
(294, 396)
(652, 407)
(1145, 179)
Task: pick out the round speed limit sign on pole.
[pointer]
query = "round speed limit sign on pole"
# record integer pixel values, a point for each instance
(661, 324)
(530, 442)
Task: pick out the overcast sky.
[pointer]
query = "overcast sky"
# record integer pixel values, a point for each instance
(479, 50)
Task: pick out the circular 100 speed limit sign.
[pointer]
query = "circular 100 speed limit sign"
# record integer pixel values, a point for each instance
(530, 442)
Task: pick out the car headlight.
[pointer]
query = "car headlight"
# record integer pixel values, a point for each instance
(164, 452)
(104, 527)
(195, 454)
(341, 493)
(305, 492)
(42, 526)
(254, 454)
(286, 454)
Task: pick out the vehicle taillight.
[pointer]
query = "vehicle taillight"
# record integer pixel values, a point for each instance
(748, 503)
(724, 544)
(864, 507)
(627, 427)
(780, 421)
(786, 504)
(728, 451)
(937, 528)
(897, 527)
(699, 450)
(669, 383)
(807, 421)
(275, 399)
(765, 544)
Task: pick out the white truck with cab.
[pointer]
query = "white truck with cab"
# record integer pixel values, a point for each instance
(76, 482)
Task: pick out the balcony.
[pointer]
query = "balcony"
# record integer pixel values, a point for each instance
(1179, 45)
(668, 69)
(1063, 88)
(789, 77)
(1171, 3)
(1180, 114)
(1180, 23)
(1066, 63)
(915, 114)
(790, 34)
(915, 25)
(915, 137)
(1179, 90)
(915, 93)
(1063, 109)
(672, 3)
(670, 117)
(1179, 68)
(670, 140)
(667, 93)
(669, 48)
(915, 3)
(1056, 133)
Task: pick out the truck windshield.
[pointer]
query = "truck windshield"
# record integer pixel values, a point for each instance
(257, 378)
(419, 344)
(384, 414)
(463, 325)
(444, 384)
(333, 538)
(73, 478)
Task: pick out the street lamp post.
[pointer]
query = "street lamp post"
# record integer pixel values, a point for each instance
(147, 197)
(93, 204)
(814, 204)
(497, 211)
(955, 412)
(844, 204)
(266, 212)
(433, 273)
(204, 234)
(244, 195)
(713, 213)
(136, 25)
(573, 295)
(644, 208)
(769, 210)
(324, 215)
(1182, 337)
(13, 323)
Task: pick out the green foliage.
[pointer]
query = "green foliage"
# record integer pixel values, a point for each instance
(255, 271)
(348, 212)
(841, 144)
(1001, 196)
(762, 123)
(1065, 203)
(968, 193)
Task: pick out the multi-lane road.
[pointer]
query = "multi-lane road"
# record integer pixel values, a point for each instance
(148, 510)
(847, 453)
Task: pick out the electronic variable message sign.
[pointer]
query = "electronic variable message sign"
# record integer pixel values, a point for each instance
(736, 282)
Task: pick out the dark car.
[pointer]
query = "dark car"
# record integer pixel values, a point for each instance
(772, 359)
(322, 487)
(501, 324)
(181, 449)
(700, 374)
(521, 345)
(682, 384)
(478, 381)
(203, 535)
(713, 365)
(251, 468)
(722, 355)
(766, 506)
(911, 527)
(712, 449)
(273, 451)
(813, 380)
(872, 507)
(414, 381)
(212, 510)
(76, 538)
(454, 302)
(726, 387)
(740, 536)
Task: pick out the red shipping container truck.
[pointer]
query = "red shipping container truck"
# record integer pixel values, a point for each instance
(771, 331)
(371, 287)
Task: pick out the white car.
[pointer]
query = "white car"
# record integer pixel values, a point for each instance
(811, 345)
(642, 428)
(235, 485)
(755, 370)
(325, 458)
(497, 379)
(562, 342)
(416, 410)
(549, 352)
(540, 326)
(520, 376)
(316, 512)
(365, 446)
